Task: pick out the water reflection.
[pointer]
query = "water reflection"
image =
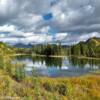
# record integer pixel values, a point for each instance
(58, 67)
(84, 63)
(49, 62)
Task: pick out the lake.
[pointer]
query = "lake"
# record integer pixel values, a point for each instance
(57, 67)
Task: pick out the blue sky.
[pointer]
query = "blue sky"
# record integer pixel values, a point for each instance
(40, 21)
(47, 17)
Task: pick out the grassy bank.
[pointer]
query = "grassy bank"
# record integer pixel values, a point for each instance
(37, 88)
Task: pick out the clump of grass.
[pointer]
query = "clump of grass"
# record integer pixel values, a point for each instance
(19, 73)
(61, 89)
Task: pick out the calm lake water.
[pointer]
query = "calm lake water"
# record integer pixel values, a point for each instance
(58, 67)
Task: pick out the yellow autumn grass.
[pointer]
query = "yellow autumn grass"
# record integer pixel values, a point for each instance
(44, 88)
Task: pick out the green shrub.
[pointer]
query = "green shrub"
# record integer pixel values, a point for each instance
(61, 89)
(48, 87)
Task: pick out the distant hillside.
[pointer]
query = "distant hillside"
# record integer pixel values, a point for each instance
(95, 41)
(5, 49)
(20, 45)
(89, 48)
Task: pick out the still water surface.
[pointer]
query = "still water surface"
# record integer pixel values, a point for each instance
(58, 67)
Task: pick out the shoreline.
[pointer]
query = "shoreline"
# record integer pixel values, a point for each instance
(61, 56)
(57, 56)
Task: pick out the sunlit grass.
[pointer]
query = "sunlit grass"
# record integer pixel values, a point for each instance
(43, 88)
